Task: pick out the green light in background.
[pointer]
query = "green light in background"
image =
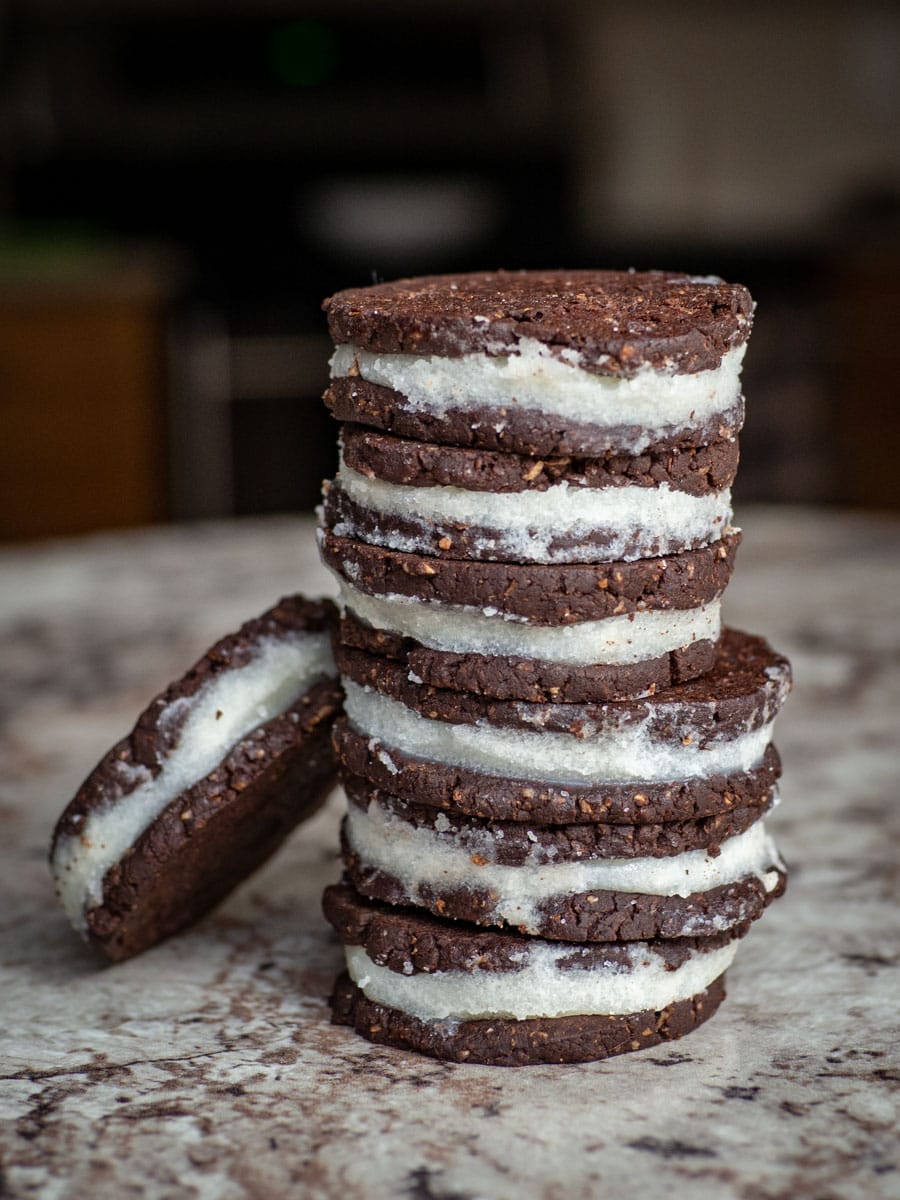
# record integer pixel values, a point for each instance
(303, 53)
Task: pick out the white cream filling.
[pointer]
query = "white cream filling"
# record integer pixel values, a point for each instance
(617, 754)
(639, 521)
(630, 638)
(541, 987)
(424, 861)
(225, 710)
(539, 379)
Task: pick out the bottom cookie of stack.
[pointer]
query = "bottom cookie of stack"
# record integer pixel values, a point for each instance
(467, 994)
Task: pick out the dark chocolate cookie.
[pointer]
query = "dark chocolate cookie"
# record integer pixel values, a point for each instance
(607, 539)
(501, 798)
(414, 946)
(696, 470)
(744, 690)
(500, 1042)
(510, 677)
(520, 431)
(516, 843)
(546, 595)
(616, 321)
(586, 916)
(146, 847)
(409, 941)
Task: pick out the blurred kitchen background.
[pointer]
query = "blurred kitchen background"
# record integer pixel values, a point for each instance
(182, 181)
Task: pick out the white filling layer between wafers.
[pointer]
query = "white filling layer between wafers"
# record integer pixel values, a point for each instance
(612, 641)
(651, 403)
(636, 522)
(223, 712)
(425, 861)
(619, 754)
(541, 988)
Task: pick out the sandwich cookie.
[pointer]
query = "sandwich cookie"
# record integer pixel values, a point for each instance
(471, 995)
(215, 774)
(516, 798)
(543, 363)
(696, 470)
(718, 725)
(578, 883)
(588, 515)
(572, 632)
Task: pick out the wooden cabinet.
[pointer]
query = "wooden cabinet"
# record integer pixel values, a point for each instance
(82, 400)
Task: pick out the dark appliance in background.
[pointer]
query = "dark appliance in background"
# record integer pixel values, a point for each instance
(289, 149)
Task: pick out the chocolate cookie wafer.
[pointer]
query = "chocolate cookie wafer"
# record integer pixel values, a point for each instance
(526, 843)
(215, 774)
(471, 995)
(696, 470)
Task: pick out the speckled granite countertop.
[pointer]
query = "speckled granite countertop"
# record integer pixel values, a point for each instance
(208, 1068)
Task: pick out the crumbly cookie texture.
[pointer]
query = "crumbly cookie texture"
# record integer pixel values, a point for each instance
(495, 997)
(614, 321)
(547, 595)
(517, 1043)
(506, 798)
(215, 774)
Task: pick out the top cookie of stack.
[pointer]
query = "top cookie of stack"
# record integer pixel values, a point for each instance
(533, 497)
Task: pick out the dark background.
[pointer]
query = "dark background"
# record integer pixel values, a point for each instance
(182, 181)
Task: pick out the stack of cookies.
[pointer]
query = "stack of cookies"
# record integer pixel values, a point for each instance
(557, 759)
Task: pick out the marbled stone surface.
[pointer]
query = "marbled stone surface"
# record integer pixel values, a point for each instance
(208, 1069)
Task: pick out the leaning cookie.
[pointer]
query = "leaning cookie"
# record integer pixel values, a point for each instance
(543, 362)
(479, 996)
(215, 774)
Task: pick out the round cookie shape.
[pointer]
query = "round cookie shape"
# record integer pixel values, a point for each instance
(694, 892)
(500, 1042)
(743, 692)
(472, 995)
(563, 594)
(410, 941)
(518, 677)
(695, 470)
(456, 789)
(215, 774)
(543, 363)
(528, 431)
(519, 843)
(564, 524)
(612, 322)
